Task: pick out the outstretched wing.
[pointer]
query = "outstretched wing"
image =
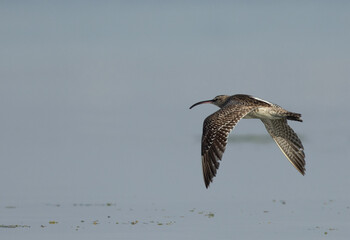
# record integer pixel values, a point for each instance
(216, 129)
(288, 141)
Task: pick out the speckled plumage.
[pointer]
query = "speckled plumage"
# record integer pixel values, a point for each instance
(218, 125)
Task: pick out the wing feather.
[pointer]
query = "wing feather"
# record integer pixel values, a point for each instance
(216, 129)
(288, 141)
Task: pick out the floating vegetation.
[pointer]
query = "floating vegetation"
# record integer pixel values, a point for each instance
(326, 231)
(14, 226)
(94, 204)
(283, 202)
(153, 218)
(53, 204)
(209, 215)
(328, 202)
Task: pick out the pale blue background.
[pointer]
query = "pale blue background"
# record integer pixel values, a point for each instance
(94, 101)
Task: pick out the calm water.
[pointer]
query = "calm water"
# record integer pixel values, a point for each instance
(95, 126)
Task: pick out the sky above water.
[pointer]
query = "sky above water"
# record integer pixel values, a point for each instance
(95, 95)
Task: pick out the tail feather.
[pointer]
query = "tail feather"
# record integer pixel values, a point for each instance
(294, 116)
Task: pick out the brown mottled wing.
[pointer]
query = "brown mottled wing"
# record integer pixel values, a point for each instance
(216, 129)
(288, 141)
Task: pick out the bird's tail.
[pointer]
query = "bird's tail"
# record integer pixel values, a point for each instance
(294, 116)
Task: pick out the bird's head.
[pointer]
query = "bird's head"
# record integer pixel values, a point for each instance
(218, 101)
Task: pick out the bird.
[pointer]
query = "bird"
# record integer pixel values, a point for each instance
(217, 127)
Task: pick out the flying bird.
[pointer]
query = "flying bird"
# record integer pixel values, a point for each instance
(217, 126)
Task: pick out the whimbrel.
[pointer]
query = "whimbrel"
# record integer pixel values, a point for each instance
(218, 125)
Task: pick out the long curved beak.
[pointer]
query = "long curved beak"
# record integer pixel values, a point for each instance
(201, 102)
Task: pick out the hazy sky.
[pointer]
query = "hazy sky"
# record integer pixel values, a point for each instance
(94, 97)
